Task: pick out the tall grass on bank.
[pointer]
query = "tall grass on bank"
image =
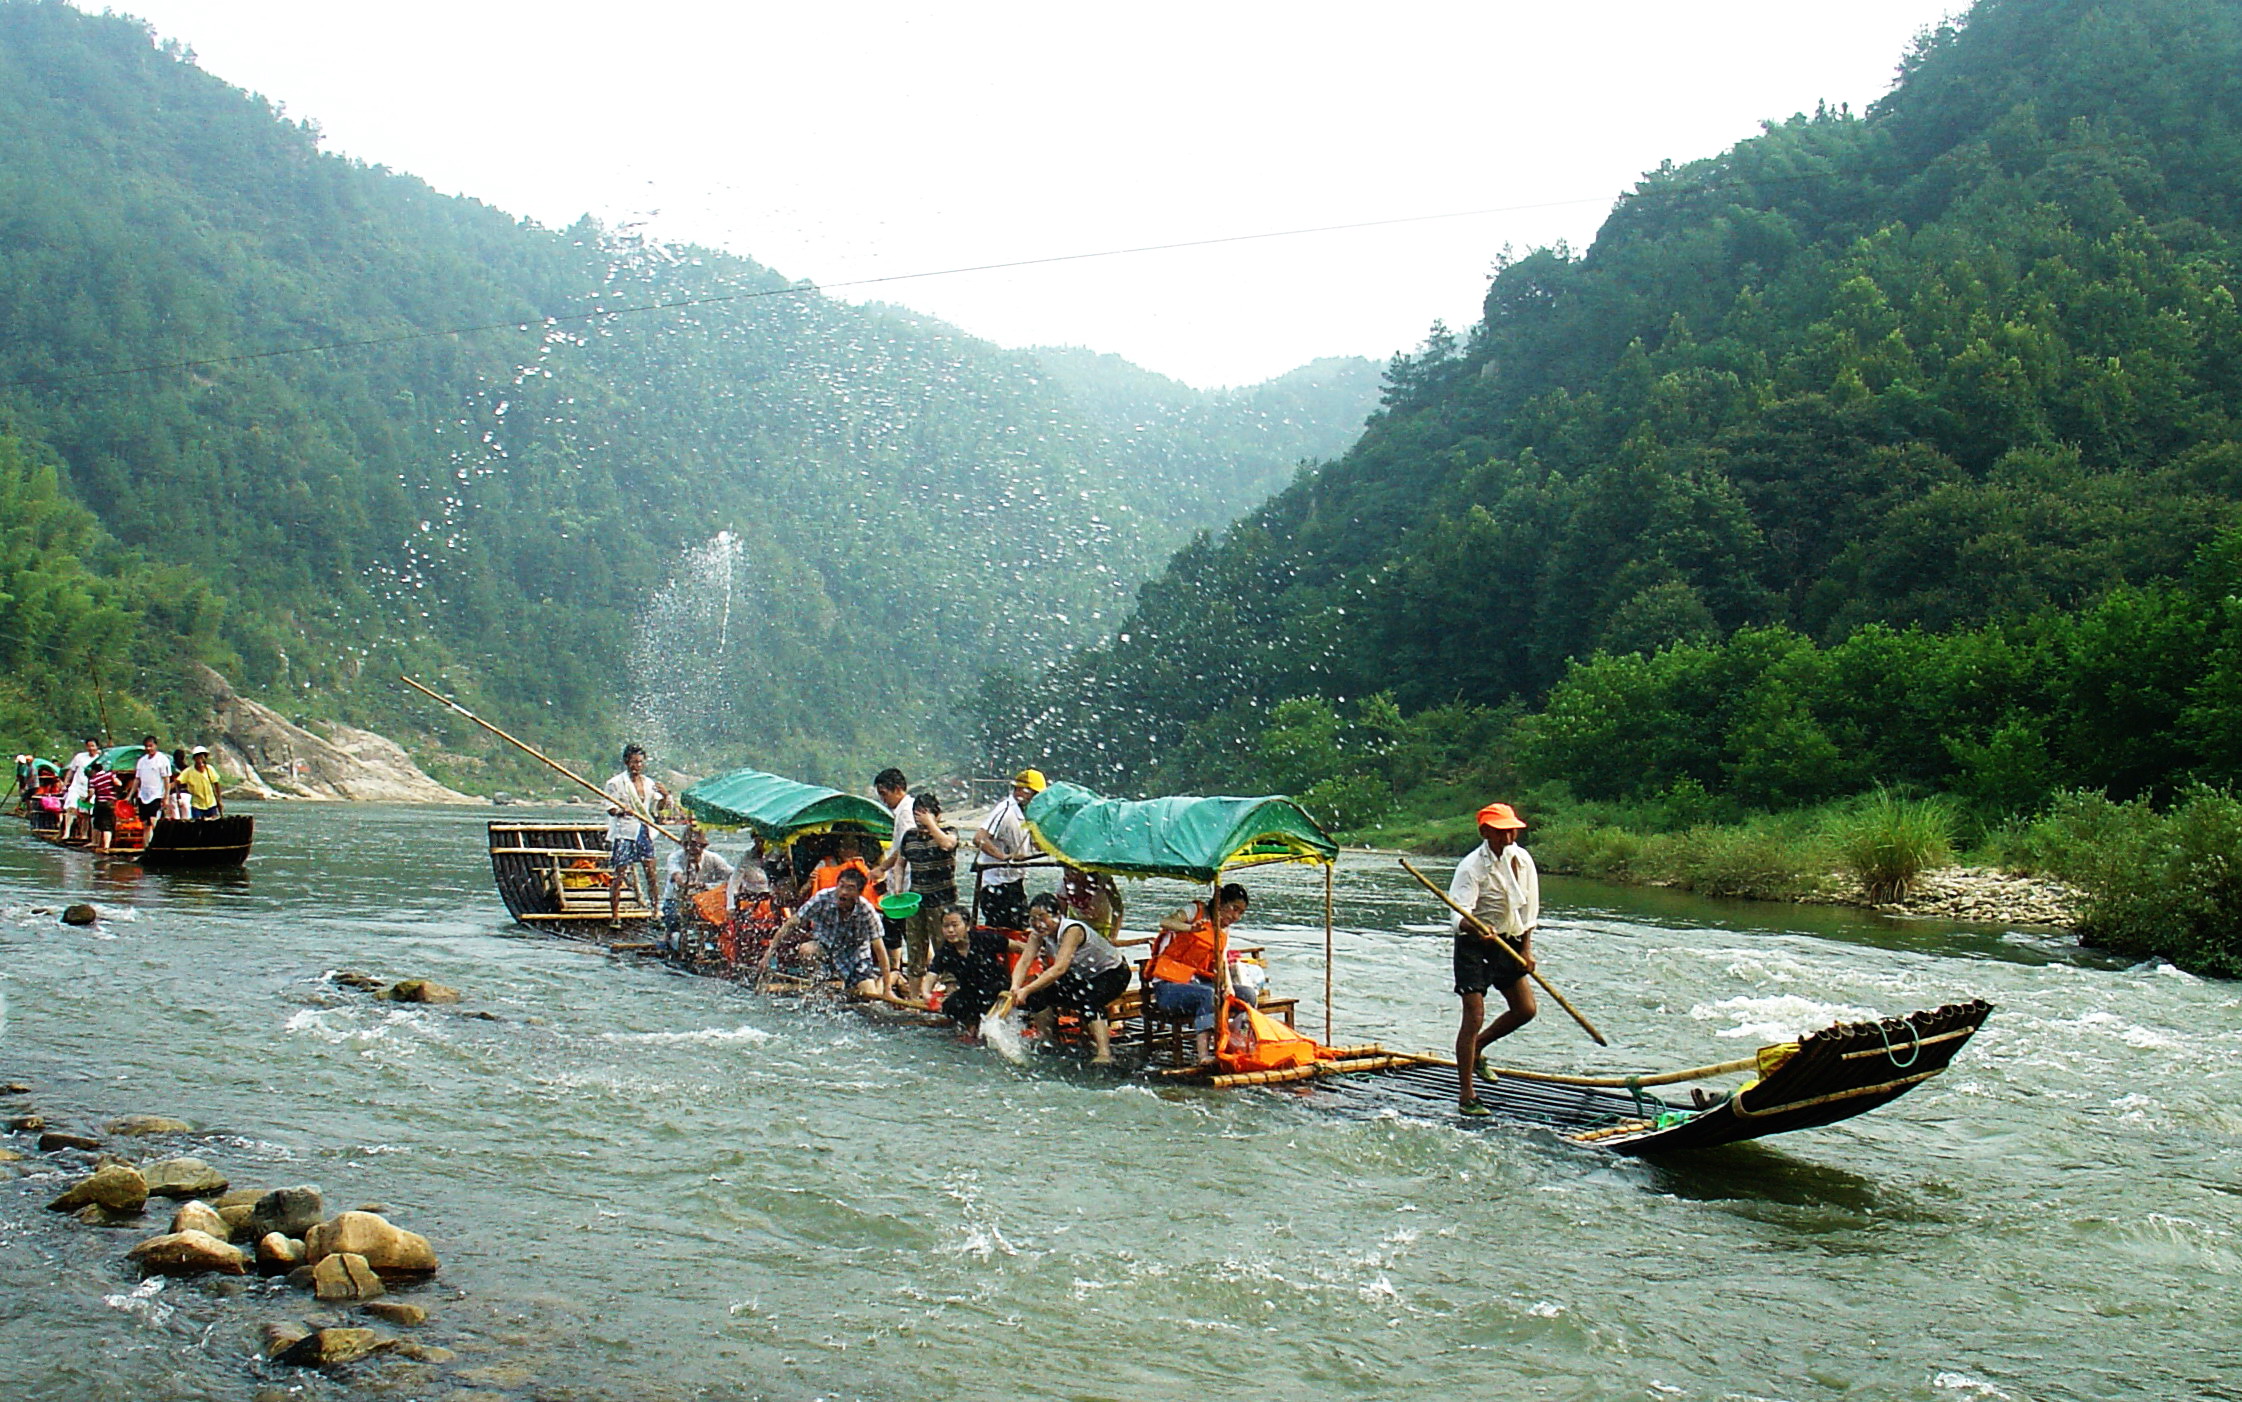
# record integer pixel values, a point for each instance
(1889, 841)
(1766, 860)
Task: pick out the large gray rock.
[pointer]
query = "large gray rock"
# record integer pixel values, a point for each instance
(114, 1186)
(185, 1178)
(195, 1216)
(331, 1348)
(288, 1211)
(390, 1250)
(345, 1276)
(187, 1253)
(418, 990)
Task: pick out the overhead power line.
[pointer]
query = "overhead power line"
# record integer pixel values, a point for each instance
(796, 289)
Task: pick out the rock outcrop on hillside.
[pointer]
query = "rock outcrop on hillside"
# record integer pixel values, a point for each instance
(270, 757)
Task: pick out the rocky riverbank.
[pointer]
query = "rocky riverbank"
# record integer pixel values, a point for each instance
(1981, 895)
(265, 755)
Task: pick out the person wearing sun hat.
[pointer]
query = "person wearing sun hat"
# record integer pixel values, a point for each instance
(1496, 882)
(1003, 840)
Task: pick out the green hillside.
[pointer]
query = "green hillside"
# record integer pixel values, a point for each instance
(1883, 447)
(505, 509)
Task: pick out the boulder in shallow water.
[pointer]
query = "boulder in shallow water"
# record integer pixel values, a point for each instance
(237, 1197)
(196, 1216)
(28, 1124)
(390, 1250)
(15, 1088)
(424, 1353)
(345, 1276)
(10, 1156)
(55, 1139)
(236, 1217)
(277, 1254)
(331, 1348)
(93, 1214)
(187, 1253)
(349, 978)
(80, 914)
(418, 990)
(281, 1336)
(398, 1312)
(149, 1124)
(114, 1186)
(185, 1178)
(288, 1211)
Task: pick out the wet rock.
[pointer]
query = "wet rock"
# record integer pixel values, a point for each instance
(418, 990)
(237, 1197)
(398, 1312)
(80, 914)
(113, 1186)
(390, 1250)
(484, 1016)
(288, 1211)
(15, 1088)
(28, 1124)
(55, 1139)
(10, 1156)
(93, 1214)
(185, 1178)
(300, 1277)
(422, 1353)
(348, 978)
(282, 1336)
(187, 1253)
(377, 1208)
(236, 1217)
(331, 1348)
(149, 1124)
(194, 1216)
(277, 1254)
(345, 1276)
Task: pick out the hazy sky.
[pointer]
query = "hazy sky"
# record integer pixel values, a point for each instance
(845, 140)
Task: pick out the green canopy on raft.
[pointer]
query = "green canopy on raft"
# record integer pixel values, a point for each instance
(781, 810)
(123, 757)
(1192, 839)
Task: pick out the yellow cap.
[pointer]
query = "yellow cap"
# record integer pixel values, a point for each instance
(1031, 779)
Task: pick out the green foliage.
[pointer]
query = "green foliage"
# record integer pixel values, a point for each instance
(2163, 885)
(499, 511)
(1890, 840)
(1805, 410)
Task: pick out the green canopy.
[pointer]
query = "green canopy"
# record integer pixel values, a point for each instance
(1190, 838)
(121, 756)
(780, 810)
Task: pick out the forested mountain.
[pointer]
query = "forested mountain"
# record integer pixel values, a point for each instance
(1966, 361)
(504, 508)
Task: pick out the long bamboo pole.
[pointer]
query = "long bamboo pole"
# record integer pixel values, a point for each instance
(534, 753)
(1327, 953)
(1481, 926)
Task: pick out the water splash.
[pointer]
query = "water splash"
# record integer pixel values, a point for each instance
(685, 666)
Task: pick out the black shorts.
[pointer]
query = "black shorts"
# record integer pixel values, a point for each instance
(1483, 964)
(105, 817)
(891, 931)
(1085, 997)
(1005, 906)
(148, 810)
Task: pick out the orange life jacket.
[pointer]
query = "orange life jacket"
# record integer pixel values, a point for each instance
(1247, 1040)
(828, 874)
(1191, 954)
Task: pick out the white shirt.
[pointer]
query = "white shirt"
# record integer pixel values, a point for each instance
(633, 799)
(1504, 891)
(899, 875)
(709, 870)
(1009, 831)
(76, 766)
(748, 878)
(74, 783)
(153, 775)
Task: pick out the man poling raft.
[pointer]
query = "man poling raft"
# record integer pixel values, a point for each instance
(1500, 891)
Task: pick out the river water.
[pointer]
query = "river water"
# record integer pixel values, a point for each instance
(651, 1186)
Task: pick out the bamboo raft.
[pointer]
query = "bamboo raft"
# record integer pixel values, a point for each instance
(555, 876)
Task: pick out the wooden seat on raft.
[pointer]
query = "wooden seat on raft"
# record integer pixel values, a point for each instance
(1168, 1039)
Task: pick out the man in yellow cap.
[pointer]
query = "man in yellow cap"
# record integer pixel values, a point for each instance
(1496, 882)
(1002, 840)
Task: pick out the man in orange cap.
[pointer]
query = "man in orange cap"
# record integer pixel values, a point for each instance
(1496, 882)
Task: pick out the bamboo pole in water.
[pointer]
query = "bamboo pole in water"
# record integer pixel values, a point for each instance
(539, 755)
(1327, 953)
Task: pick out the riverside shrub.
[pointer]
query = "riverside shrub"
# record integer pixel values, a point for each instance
(1889, 841)
(2166, 886)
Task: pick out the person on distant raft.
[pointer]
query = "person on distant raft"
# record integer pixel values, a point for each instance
(102, 790)
(894, 794)
(151, 782)
(1003, 839)
(199, 782)
(74, 785)
(1082, 974)
(841, 933)
(635, 803)
(1496, 882)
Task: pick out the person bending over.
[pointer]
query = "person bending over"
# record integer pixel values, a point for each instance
(841, 931)
(1083, 974)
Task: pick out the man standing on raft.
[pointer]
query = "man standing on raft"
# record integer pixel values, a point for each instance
(1496, 882)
